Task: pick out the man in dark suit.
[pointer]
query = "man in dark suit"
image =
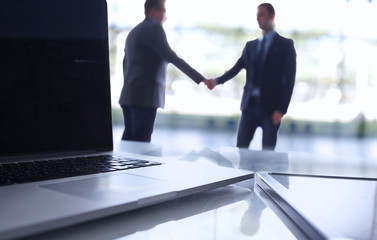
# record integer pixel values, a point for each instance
(147, 53)
(270, 64)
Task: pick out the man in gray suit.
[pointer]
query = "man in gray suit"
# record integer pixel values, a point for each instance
(270, 64)
(147, 54)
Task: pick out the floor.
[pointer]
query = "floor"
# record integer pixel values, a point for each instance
(181, 140)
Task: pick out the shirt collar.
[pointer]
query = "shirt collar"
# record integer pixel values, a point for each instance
(150, 19)
(269, 36)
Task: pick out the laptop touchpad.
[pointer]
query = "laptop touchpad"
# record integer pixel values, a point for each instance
(105, 188)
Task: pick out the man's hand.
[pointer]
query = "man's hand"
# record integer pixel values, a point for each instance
(211, 83)
(277, 116)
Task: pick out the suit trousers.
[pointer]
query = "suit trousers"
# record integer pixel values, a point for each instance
(252, 117)
(138, 123)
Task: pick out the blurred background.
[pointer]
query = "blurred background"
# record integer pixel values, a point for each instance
(333, 104)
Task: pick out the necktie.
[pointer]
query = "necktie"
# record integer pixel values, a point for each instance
(259, 63)
(261, 52)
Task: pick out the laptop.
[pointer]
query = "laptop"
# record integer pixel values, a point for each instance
(55, 120)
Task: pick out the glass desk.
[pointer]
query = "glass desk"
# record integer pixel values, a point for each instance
(231, 212)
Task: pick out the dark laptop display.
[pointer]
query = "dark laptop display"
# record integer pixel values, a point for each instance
(55, 86)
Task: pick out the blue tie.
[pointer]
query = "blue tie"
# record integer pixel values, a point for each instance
(261, 51)
(259, 63)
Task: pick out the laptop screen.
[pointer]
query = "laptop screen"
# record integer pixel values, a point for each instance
(54, 74)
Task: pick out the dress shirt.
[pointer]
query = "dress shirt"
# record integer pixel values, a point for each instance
(267, 43)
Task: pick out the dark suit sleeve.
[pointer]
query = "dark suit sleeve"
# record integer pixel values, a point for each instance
(288, 79)
(231, 73)
(159, 44)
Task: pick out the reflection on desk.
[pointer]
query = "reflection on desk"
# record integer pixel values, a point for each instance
(291, 162)
(232, 212)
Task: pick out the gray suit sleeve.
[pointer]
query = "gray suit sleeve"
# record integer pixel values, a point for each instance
(160, 46)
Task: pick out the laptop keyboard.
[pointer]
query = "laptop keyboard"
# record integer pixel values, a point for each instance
(23, 172)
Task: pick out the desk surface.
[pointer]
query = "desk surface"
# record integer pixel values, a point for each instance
(231, 212)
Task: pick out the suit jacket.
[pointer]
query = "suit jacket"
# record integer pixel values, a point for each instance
(147, 54)
(277, 75)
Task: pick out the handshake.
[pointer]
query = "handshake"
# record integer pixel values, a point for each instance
(210, 83)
